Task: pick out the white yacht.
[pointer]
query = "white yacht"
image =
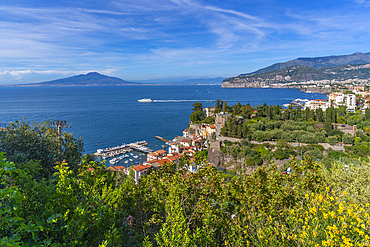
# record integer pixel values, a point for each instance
(145, 100)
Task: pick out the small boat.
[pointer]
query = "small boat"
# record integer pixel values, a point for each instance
(145, 100)
(135, 156)
(131, 160)
(126, 161)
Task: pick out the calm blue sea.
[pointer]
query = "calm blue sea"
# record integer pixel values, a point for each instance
(110, 116)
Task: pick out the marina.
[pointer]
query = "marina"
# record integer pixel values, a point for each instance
(123, 149)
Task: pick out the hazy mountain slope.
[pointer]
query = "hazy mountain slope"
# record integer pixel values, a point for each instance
(319, 62)
(299, 73)
(90, 79)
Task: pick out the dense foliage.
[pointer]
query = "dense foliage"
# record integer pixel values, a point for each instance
(24, 141)
(269, 124)
(172, 207)
(311, 205)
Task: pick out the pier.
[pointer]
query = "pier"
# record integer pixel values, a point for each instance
(161, 138)
(140, 146)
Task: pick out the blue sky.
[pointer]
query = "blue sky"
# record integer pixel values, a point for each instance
(145, 39)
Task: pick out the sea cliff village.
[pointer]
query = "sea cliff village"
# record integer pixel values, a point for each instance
(198, 137)
(195, 138)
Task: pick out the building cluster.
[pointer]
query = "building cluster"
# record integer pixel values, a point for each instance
(194, 139)
(336, 100)
(349, 100)
(325, 84)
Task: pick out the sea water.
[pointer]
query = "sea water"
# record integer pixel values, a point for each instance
(110, 116)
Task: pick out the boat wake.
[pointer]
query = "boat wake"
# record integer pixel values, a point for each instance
(182, 100)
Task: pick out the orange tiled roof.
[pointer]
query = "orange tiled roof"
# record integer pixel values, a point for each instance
(141, 167)
(158, 152)
(163, 161)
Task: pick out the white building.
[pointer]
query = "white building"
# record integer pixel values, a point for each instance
(140, 170)
(317, 104)
(339, 99)
(350, 100)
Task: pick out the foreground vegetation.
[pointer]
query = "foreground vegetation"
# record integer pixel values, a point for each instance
(313, 205)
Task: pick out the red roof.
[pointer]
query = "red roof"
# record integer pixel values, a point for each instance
(158, 152)
(116, 168)
(141, 167)
(164, 161)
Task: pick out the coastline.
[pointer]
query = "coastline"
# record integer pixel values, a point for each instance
(103, 85)
(307, 90)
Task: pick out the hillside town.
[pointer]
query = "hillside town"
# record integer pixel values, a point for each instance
(198, 137)
(323, 86)
(194, 139)
(352, 98)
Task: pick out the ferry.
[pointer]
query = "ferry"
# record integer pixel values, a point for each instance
(145, 100)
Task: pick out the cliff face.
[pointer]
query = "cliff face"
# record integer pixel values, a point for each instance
(215, 156)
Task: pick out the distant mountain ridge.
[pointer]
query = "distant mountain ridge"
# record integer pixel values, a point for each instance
(89, 79)
(319, 62)
(298, 73)
(344, 67)
(96, 79)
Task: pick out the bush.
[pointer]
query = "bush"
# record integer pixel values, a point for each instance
(335, 132)
(332, 140)
(348, 138)
(280, 154)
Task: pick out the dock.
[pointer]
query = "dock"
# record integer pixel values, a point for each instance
(161, 138)
(140, 146)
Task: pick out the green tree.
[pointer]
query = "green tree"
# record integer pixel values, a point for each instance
(197, 107)
(225, 107)
(26, 141)
(367, 114)
(197, 116)
(319, 115)
(348, 138)
(219, 105)
(332, 140)
(307, 113)
(237, 108)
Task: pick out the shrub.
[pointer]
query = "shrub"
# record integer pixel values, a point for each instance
(332, 140)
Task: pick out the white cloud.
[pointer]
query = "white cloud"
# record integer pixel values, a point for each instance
(41, 72)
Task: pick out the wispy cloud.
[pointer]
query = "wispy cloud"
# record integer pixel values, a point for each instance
(166, 36)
